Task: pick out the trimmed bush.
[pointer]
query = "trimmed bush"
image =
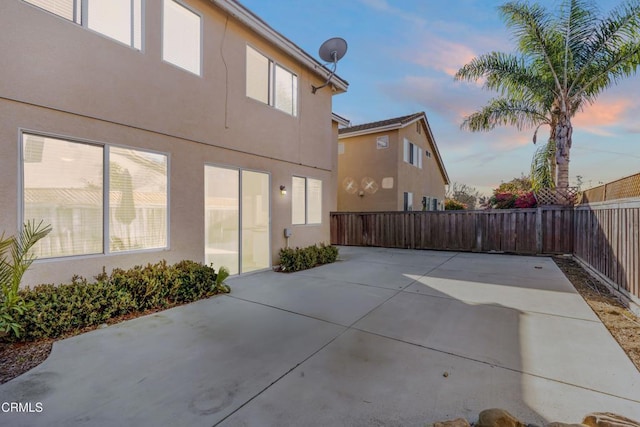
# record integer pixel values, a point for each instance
(58, 310)
(454, 205)
(304, 258)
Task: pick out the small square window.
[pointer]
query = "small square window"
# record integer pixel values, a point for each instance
(382, 142)
(387, 183)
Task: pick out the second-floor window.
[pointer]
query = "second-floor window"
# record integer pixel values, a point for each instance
(412, 154)
(181, 36)
(270, 83)
(120, 20)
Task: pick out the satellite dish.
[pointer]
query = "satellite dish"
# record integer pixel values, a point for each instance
(331, 51)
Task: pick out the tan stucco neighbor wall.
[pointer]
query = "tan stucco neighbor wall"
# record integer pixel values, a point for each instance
(362, 159)
(427, 181)
(63, 80)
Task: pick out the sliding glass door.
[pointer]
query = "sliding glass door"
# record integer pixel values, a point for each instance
(237, 219)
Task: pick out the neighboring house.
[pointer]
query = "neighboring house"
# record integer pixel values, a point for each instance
(146, 130)
(390, 165)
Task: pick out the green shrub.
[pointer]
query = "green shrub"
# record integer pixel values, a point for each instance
(58, 310)
(454, 205)
(304, 258)
(12, 268)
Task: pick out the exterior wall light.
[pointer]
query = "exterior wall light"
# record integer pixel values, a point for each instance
(283, 190)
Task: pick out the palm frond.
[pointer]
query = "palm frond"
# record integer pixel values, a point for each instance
(541, 175)
(535, 30)
(611, 52)
(503, 112)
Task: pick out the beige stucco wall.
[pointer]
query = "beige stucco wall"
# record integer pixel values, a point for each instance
(61, 79)
(362, 158)
(427, 181)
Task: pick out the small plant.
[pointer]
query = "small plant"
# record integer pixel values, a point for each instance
(304, 258)
(12, 268)
(454, 205)
(526, 200)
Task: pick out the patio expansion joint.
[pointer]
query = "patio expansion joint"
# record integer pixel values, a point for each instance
(498, 305)
(346, 329)
(498, 366)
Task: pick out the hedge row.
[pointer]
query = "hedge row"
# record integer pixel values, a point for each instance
(57, 310)
(304, 258)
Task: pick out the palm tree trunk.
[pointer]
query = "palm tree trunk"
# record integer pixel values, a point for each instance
(564, 129)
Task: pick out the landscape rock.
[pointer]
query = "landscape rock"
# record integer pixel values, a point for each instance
(497, 418)
(558, 424)
(608, 419)
(458, 422)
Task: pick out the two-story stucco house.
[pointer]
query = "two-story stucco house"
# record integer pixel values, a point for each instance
(390, 165)
(160, 129)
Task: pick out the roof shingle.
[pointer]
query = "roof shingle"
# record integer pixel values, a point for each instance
(382, 123)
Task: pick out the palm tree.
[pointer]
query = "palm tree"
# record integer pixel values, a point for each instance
(562, 62)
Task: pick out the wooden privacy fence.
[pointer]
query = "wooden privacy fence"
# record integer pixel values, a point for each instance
(528, 231)
(608, 241)
(604, 236)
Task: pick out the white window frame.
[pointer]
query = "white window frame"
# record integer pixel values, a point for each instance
(306, 200)
(197, 72)
(412, 154)
(105, 191)
(81, 13)
(273, 67)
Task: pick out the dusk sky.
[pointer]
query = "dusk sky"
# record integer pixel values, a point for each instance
(401, 59)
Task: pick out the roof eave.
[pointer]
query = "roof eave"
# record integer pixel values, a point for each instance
(392, 126)
(246, 17)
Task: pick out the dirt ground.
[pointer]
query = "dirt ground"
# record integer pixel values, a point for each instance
(15, 359)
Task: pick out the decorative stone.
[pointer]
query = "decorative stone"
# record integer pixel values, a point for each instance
(558, 424)
(458, 422)
(608, 419)
(497, 418)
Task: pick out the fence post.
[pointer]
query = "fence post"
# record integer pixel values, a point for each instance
(478, 226)
(539, 230)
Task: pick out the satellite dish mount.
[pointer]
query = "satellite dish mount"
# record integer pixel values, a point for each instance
(331, 51)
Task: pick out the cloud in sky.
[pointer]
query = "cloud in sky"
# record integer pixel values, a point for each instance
(603, 114)
(440, 54)
(384, 6)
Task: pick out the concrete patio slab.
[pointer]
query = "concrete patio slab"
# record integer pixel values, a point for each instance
(366, 380)
(384, 275)
(530, 293)
(334, 301)
(334, 346)
(554, 347)
(188, 366)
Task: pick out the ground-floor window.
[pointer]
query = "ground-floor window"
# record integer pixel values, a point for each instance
(237, 219)
(408, 201)
(306, 201)
(96, 197)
